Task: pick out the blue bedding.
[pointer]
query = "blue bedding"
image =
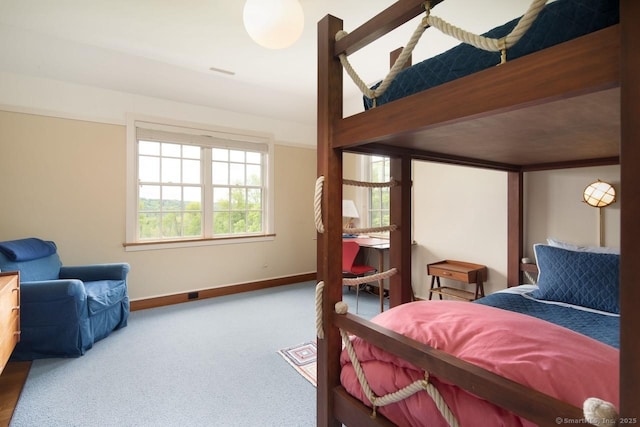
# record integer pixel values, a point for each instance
(558, 22)
(601, 327)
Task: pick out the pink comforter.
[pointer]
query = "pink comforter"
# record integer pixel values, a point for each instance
(530, 351)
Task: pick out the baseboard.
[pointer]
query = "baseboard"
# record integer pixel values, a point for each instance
(218, 292)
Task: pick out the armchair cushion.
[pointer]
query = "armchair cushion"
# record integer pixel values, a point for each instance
(27, 249)
(46, 268)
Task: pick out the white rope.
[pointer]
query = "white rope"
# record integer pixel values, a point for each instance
(342, 308)
(395, 69)
(486, 43)
(599, 412)
(319, 327)
(391, 183)
(354, 230)
(478, 41)
(398, 395)
(370, 278)
(317, 205)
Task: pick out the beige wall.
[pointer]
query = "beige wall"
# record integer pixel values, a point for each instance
(459, 213)
(65, 180)
(554, 207)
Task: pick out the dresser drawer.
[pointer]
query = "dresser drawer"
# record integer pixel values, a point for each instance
(9, 316)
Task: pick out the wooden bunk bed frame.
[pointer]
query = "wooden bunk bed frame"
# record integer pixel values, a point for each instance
(496, 119)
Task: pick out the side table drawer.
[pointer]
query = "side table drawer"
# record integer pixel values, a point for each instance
(461, 276)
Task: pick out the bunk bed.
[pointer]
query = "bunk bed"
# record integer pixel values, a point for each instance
(497, 119)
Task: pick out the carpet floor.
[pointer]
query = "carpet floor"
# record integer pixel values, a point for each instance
(211, 362)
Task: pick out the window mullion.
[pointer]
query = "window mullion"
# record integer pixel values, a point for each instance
(207, 197)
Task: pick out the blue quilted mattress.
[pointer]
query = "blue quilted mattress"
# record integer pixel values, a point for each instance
(602, 327)
(558, 22)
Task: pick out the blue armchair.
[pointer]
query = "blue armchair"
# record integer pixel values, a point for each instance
(63, 310)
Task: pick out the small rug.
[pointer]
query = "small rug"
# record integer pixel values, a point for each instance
(303, 358)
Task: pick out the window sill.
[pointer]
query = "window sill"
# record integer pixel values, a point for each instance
(188, 243)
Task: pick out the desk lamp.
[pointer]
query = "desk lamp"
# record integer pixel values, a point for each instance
(350, 212)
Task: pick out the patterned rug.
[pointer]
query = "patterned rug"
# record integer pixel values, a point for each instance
(303, 358)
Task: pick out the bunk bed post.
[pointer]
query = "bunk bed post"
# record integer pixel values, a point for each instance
(400, 290)
(329, 249)
(630, 210)
(515, 225)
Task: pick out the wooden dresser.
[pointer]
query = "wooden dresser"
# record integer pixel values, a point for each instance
(9, 315)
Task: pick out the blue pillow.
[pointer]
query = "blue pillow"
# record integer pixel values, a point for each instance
(27, 249)
(587, 279)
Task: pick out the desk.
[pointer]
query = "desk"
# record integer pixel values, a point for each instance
(380, 246)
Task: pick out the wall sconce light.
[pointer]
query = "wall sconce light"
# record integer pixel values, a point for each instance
(599, 194)
(274, 24)
(349, 211)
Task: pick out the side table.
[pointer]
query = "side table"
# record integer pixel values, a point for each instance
(461, 271)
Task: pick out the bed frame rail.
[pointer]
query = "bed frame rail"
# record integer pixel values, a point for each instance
(381, 24)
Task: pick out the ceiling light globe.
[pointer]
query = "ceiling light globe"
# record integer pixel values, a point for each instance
(274, 24)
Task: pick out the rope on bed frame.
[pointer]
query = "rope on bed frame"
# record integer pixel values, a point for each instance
(376, 401)
(403, 393)
(346, 282)
(319, 327)
(342, 307)
(317, 206)
(481, 42)
(599, 412)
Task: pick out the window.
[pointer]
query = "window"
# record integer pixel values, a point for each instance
(379, 215)
(197, 184)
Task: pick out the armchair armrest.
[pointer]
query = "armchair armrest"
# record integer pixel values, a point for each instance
(51, 290)
(90, 273)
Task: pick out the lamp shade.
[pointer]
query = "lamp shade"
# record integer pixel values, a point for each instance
(274, 24)
(599, 194)
(349, 209)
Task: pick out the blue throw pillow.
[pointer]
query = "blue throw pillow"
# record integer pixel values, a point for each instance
(581, 278)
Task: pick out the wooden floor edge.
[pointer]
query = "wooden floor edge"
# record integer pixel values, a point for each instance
(12, 381)
(154, 302)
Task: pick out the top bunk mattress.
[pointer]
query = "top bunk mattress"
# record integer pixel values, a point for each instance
(558, 22)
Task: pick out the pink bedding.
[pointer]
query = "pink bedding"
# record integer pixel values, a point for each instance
(530, 351)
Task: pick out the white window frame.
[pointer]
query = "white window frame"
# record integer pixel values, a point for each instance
(230, 138)
(365, 168)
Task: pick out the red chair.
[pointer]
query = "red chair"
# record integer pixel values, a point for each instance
(350, 250)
